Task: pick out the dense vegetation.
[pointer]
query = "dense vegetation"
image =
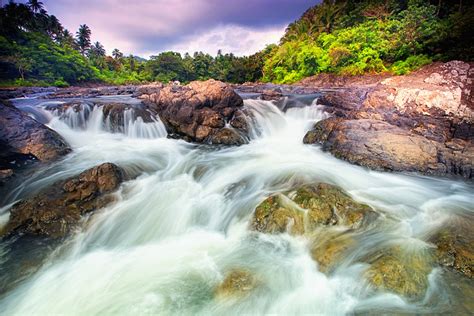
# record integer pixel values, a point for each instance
(367, 36)
(35, 49)
(345, 37)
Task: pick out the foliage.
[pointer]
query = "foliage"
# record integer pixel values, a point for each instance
(349, 37)
(370, 36)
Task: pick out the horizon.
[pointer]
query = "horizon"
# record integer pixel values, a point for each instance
(152, 27)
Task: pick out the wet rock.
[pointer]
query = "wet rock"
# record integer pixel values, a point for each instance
(307, 208)
(200, 111)
(328, 247)
(236, 283)
(455, 247)
(271, 95)
(401, 272)
(422, 122)
(25, 135)
(55, 211)
(278, 215)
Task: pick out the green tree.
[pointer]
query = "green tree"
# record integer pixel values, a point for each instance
(83, 37)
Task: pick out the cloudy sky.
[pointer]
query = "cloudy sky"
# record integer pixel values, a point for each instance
(147, 27)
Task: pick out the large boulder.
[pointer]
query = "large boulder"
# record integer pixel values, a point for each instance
(420, 122)
(202, 111)
(55, 211)
(27, 136)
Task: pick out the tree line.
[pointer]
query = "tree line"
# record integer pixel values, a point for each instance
(35, 49)
(347, 37)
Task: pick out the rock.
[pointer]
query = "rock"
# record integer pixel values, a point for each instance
(271, 95)
(401, 272)
(236, 283)
(56, 210)
(24, 135)
(421, 122)
(200, 112)
(328, 247)
(455, 247)
(309, 207)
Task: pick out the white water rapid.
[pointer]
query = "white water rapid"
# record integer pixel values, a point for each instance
(182, 224)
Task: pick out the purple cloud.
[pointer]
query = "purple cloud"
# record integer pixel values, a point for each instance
(148, 27)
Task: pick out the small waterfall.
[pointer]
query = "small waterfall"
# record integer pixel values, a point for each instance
(91, 117)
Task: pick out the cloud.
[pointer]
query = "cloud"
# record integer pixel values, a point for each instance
(147, 27)
(234, 39)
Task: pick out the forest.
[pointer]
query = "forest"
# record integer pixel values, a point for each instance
(344, 37)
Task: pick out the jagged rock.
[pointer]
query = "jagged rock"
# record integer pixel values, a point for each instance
(420, 122)
(200, 111)
(56, 210)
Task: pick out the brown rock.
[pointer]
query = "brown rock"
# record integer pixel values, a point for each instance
(421, 122)
(200, 111)
(238, 282)
(25, 135)
(55, 211)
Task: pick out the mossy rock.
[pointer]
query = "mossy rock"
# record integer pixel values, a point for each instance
(455, 246)
(307, 208)
(328, 248)
(236, 283)
(277, 215)
(401, 272)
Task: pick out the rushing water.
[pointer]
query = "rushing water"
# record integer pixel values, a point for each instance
(182, 223)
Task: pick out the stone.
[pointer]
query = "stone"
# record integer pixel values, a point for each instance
(237, 282)
(202, 111)
(56, 210)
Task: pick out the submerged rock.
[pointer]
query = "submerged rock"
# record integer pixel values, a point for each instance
(55, 211)
(455, 247)
(236, 283)
(328, 247)
(308, 208)
(402, 272)
(420, 122)
(202, 111)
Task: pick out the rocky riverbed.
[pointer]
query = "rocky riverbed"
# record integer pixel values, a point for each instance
(233, 193)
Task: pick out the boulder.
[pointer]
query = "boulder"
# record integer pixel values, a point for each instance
(202, 112)
(56, 210)
(25, 135)
(421, 122)
(307, 208)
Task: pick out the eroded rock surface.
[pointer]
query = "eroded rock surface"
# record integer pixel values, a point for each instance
(202, 111)
(237, 282)
(421, 122)
(55, 211)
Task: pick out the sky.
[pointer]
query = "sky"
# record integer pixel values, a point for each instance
(148, 27)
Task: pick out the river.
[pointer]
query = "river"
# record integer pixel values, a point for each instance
(182, 223)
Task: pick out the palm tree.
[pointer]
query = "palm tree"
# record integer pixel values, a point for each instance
(83, 36)
(35, 5)
(98, 49)
(66, 38)
(117, 54)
